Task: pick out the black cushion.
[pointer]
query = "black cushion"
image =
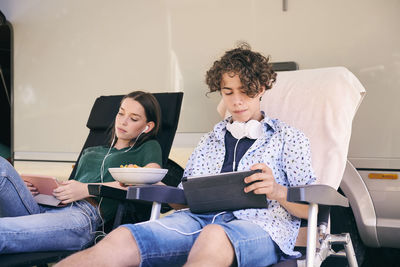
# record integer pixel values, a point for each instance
(103, 112)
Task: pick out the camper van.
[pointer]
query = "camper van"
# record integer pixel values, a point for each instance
(57, 57)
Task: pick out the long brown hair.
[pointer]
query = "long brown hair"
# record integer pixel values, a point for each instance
(152, 111)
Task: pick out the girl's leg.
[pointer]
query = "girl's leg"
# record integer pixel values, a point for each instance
(15, 198)
(67, 228)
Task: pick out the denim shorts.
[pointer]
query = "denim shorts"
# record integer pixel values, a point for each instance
(167, 241)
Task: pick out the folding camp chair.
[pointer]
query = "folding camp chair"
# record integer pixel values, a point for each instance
(101, 117)
(321, 103)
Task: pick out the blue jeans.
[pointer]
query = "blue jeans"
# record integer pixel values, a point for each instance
(26, 226)
(167, 242)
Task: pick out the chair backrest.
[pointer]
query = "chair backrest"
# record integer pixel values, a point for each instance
(103, 114)
(321, 103)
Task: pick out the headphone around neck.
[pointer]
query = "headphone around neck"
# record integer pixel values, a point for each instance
(251, 129)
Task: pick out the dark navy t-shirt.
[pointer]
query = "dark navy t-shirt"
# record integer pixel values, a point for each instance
(230, 142)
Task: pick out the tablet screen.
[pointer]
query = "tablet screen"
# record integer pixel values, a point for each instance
(221, 192)
(44, 184)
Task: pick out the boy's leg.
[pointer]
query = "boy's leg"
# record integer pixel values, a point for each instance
(118, 248)
(155, 245)
(15, 198)
(165, 242)
(212, 248)
(237, 241)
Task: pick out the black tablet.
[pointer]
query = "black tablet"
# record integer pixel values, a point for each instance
(220, 192)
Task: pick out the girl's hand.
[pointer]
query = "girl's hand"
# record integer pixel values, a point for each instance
(31, 188)
(152, 165)
(264, 183)
(70, 191)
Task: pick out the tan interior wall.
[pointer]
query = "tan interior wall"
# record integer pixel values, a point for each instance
(68, 52)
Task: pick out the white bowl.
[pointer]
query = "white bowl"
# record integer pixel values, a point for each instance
(131, 176)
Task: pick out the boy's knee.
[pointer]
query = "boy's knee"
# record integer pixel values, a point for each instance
(212, 247)
(118, 238)
(214, 230)
(122, 244)
(215, 237)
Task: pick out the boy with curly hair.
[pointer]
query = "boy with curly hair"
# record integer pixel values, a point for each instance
(248, 139)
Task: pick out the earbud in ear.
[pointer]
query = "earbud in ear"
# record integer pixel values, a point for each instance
(146, 128)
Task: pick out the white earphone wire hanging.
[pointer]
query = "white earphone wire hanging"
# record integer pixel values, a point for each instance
(108, 152)
(180, 232)
(234, 155)
(102, 175)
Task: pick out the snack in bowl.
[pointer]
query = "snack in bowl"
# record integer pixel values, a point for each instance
(130, 166)
(137, 175)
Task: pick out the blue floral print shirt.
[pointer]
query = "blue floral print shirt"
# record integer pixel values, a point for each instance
(285, 150)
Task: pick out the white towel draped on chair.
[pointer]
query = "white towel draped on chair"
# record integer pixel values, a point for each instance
(321, 103)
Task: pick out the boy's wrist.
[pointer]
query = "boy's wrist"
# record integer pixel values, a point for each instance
(281, 194)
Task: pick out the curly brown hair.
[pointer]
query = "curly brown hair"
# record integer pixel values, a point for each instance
(253, 69)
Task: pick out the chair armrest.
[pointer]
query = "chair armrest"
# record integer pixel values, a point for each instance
(318, 194)
(152, 193)
(156, 193)
(107, 191)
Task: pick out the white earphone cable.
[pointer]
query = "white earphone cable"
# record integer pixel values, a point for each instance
(134, 142)
(102, 172)
(234, 155)
(84, 212)
(183, 233)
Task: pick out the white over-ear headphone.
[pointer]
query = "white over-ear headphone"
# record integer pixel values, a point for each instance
(251, 129)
